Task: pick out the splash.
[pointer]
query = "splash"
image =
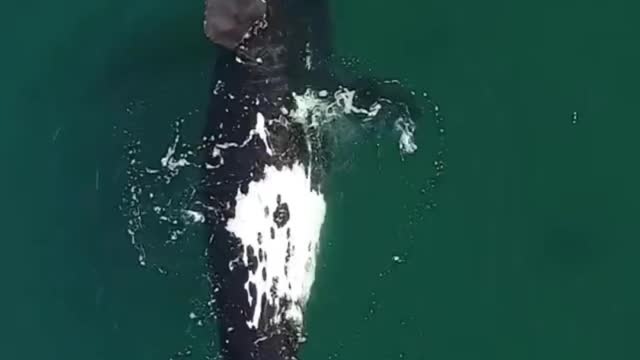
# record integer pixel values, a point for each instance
(316, 109)
(406, 127)
(161, 196)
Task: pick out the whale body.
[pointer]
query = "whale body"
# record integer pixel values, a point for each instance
(260, 176)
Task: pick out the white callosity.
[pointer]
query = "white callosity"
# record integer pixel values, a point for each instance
(289, 246)
(289, 252)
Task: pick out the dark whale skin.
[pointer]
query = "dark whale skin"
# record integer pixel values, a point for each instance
(257, 77)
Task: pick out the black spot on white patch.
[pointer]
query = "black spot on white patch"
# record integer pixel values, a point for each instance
(281, 214)
(266, 211)
(287, 259)
(253, 290)
(270, 311)
(273, 291)
(252, 260)
(273, 233)
(288, 233)
(264, 274)
(217, 161)
(288, 256)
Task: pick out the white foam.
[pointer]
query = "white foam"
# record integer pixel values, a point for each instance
(169, 160)
(259, 130)
(308, 59)
(315, 108)
(194, 216)
(407, 128)
(344, 98)
(310, 110)
(306, 211)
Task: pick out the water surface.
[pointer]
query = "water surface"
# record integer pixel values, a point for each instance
(531, 250)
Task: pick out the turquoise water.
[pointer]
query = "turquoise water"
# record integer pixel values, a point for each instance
(531, 250)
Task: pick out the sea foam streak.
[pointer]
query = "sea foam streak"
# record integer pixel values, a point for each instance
(317, 109)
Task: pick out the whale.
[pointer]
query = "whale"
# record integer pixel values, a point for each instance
(263, 182)
(263, 169)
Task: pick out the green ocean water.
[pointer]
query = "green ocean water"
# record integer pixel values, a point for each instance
(531, 252)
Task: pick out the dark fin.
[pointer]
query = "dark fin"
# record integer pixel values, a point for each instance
(226, 22)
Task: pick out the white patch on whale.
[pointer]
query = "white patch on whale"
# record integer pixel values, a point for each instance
(289, 251)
